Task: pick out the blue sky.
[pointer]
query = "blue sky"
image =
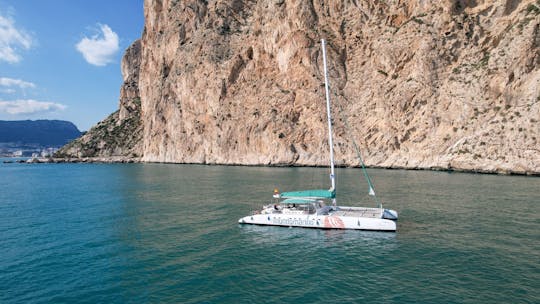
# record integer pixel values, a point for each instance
(60, 59)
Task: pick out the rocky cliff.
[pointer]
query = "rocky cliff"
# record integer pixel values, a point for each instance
(418, 84)
(120, 134)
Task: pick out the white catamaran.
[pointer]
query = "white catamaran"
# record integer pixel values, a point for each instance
(318, 208)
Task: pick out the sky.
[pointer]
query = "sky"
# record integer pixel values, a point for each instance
(60, 59)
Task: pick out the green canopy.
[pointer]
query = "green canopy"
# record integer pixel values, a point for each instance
(299, 201)
(310, 194)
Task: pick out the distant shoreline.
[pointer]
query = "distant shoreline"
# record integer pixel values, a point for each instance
(49, 160)
(130, 160)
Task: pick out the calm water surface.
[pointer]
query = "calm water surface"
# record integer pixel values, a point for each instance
(156, 233)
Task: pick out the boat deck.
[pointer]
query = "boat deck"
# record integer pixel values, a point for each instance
(359, 212)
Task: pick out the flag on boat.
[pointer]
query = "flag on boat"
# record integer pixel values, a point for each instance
(371, 191)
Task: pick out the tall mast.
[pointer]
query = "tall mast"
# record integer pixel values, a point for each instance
(330, 143)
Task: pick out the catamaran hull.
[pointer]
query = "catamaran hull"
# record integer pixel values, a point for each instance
(390, 214)
(320, 222)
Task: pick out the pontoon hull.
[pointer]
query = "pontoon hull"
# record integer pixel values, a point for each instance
(320, 221)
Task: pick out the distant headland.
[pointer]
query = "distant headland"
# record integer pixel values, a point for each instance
(19, 138)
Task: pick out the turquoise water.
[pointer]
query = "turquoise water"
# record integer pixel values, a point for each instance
(156, 233)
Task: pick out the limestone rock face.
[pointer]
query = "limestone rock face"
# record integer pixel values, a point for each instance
(437, 84)
(417, 84)
(120, 134)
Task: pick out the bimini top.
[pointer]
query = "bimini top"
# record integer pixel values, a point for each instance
(318, 193)
(299, 201)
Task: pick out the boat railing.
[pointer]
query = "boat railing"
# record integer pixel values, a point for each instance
(359, 212)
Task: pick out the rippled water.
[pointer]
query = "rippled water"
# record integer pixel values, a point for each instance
(155, 233)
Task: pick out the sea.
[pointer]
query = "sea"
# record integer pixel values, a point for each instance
(169, 233)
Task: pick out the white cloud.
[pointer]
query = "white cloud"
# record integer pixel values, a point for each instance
(10, 82)
(29, 106)
(99, 49)
(8, 91)
(12, 40)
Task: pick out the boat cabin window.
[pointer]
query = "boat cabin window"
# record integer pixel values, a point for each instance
(307, 208)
